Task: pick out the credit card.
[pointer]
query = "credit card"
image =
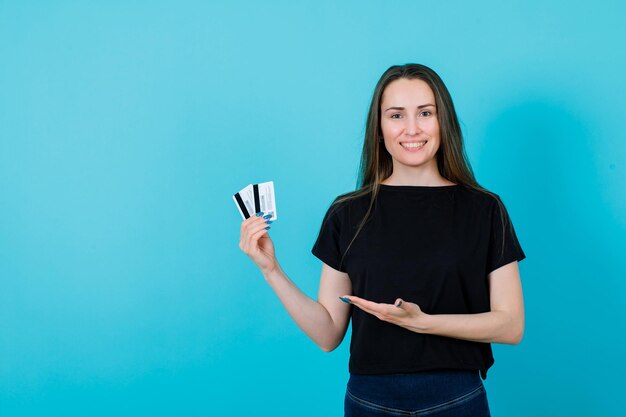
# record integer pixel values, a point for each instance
(255, 198)
(244, 200)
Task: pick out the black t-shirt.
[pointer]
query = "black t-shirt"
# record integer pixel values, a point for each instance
(433, 246)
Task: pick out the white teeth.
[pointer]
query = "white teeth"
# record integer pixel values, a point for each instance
(413, 145)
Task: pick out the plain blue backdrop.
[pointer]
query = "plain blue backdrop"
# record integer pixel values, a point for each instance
(126, 126)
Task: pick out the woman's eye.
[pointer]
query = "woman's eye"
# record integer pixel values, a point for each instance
(426, 113)
(395, 114)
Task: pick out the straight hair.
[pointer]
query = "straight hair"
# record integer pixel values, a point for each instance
(376, 163)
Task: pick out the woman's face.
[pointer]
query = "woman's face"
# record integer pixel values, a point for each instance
(408, 116)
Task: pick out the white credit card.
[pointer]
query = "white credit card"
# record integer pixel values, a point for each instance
(255, 198)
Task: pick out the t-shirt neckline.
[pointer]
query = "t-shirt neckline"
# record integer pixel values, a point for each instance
(417, 187)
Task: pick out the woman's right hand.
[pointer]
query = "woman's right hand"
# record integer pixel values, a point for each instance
(256, 243)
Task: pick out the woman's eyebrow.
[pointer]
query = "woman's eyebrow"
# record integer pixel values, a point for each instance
(402, 108)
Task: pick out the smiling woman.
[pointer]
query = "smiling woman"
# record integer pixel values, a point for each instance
(409, 123)
(421, 258)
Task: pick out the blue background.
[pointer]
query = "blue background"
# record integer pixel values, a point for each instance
(126, 126)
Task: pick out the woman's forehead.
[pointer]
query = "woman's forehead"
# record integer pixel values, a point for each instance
(407, 93)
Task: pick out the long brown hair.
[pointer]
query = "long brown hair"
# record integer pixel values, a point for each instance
(376, 163)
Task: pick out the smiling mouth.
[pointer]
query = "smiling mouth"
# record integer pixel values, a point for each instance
(413, 145)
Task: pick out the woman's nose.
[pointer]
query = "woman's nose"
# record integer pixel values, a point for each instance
(412, 126)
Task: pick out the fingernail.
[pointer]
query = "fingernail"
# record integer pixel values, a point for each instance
(267, 228)
(269, 221)
(260, 213)
(399, 303)
(267, 216)
(345, 300)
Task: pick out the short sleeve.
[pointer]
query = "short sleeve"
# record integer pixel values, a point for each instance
(327, 247)
(504, 246)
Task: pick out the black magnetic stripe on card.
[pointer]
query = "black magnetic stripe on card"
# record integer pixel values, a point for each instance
(257, 200)
(242, 206)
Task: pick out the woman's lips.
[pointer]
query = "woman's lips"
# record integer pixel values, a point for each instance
(414, 148)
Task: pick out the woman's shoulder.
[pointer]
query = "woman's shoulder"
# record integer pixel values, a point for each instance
(479, 196)
(351, 197)
(350, 200)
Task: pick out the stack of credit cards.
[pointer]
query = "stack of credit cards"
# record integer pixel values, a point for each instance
(255, 198)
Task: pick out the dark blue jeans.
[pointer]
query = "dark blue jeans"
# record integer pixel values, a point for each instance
(435, 393)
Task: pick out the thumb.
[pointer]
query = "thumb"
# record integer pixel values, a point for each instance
(399, 302)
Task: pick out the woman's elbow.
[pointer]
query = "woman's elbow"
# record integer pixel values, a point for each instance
(513, 330)
(328, 349)
(518, 334)
(330, 345)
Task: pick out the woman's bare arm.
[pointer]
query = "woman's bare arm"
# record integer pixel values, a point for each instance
(503, 324)
(325, 321)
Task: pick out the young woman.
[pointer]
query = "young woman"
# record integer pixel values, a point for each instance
(420, 257)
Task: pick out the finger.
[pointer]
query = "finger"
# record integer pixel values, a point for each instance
(262, 222)
(251, 245)
(383, 311)
(361, 302)
(251, 232)
(256, 235)
(255, 218)
(245, 225)
(368, 310)
(370, 307)
(247, 221)
(254, 226)
(407, 306)
(251, 221)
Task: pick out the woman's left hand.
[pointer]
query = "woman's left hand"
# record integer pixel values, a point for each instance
(401, 313)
